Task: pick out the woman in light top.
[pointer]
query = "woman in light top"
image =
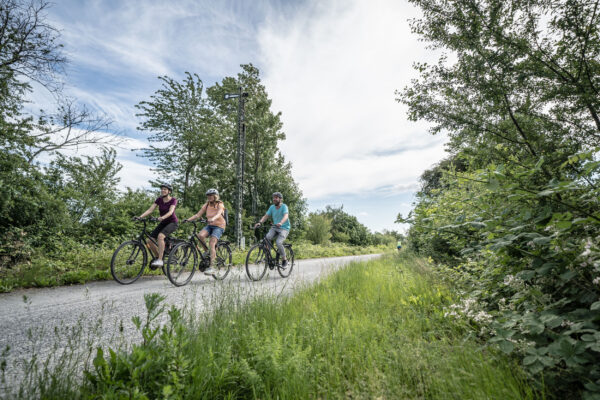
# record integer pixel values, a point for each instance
(215, 217)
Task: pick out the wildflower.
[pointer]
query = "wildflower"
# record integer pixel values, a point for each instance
(508, 279)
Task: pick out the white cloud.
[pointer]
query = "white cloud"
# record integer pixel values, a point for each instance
(333, 71)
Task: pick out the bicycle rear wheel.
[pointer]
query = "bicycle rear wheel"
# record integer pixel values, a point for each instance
(222, 263)
(256, 263)
(181, 263)
(128, 262)
(289, 255)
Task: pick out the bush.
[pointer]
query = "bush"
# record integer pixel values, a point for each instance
(319, 229)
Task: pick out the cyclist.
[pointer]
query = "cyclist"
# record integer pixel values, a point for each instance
(399, 245)
(215, 217)
(280, 214)
(168, 222)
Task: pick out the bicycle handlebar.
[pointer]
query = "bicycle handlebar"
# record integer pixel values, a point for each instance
(263, 226)
(151, 219)
(185, 221)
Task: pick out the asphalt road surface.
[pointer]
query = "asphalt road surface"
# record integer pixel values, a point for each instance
(66, 323)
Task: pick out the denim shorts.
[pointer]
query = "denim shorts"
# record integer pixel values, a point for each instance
(214, 231)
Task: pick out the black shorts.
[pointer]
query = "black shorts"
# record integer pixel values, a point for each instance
(166, 228)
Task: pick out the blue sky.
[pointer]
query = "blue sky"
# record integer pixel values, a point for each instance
(331, 68)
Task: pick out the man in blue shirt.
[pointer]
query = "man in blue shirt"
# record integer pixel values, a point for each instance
(281, 224)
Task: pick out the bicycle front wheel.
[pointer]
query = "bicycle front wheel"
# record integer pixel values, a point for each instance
(181, 263)
(289, 255)
(256, 262)
(222, 263)
(128, 262)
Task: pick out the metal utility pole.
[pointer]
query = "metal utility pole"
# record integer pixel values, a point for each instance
(241, 155)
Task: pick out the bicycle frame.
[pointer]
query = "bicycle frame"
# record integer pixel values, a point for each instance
(267, 246)
(193, 240)
(144, 236)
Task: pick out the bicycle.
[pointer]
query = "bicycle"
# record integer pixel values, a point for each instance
(183, 258)
(259, 258)
(129, 259)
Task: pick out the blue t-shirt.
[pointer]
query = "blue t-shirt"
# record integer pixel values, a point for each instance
(277, 215)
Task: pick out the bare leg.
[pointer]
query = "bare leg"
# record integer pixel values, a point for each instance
(152, 247)
(213, 253)
(202, 238)
(161, 245)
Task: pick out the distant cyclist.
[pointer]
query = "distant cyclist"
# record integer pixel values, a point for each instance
(215, 216)
(399, 245)
(168, 222)
(280, 214)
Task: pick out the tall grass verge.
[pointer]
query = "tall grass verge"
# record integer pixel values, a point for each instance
(84, 263)
(371, 330)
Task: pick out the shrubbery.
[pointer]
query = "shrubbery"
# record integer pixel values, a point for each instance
(513, 216)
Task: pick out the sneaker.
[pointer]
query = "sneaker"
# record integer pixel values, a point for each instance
(209, 271)
(156, 263)
(283, 264)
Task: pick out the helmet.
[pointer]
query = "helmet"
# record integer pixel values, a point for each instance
(212, 191)
(278, 194)
(166, 185)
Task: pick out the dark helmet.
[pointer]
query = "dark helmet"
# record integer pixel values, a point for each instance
(278, 194)
(212, 191)
(166, 185)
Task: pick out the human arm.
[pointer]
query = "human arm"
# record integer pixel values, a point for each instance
(198, 214)
(285, 218)
(168, 214)
(148, 211)
(260, 221)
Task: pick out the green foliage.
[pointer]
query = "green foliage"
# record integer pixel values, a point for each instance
(319, 228)
(186, 132)
(202, 136)
(346, 228)
(86, 185)
(371, 330)
(517, 227)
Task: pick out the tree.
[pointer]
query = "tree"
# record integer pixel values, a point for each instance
(520, 104)
(522, 86)
(266, 170)
(29, 50)
(187, 144)
(85, 184)
(72, 126)
(346, 228)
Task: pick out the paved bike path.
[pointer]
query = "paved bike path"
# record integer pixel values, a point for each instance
(41, 321)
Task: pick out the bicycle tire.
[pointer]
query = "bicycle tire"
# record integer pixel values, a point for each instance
(289, 255)
(222, 263)
(127, 270)
(256, 263)
(181, 263)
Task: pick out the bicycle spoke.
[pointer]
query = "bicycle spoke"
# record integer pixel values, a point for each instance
(181, 264)
(222, 261)
(256, 264)
(126, 266)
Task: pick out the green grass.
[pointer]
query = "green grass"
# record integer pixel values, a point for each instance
(371, 330)
(81, 264)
